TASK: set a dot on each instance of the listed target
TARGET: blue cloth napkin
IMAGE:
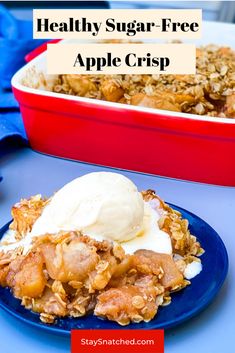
(12, 130)
(11, 124)
(16, 40)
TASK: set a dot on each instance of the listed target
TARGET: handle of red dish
(43, 47)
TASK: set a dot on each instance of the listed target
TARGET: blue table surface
(26, 173)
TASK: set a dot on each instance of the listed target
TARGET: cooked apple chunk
(30, 280)
(130, 303)
(161, 265)
(69, 262)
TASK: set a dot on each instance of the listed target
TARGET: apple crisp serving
(71, 274)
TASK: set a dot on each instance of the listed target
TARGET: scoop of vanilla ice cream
(103, 205)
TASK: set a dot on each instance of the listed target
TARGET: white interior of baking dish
(33, 78)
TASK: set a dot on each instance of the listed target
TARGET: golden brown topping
(50, 303)
(25, 213)
(47, 318)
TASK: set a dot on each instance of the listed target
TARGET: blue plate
(185, 304)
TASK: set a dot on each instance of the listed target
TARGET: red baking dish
(170, 144)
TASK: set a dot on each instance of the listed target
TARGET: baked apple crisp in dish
(210, 92)
(98, 246)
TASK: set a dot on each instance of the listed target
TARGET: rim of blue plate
(168, 324)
